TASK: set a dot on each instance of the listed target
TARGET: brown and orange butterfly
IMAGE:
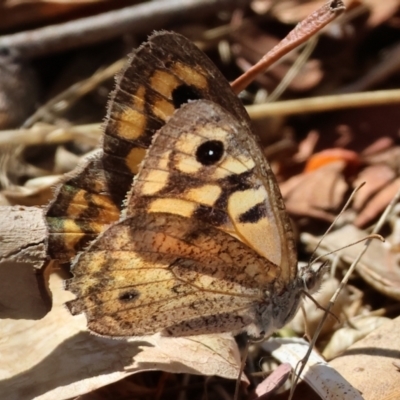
(188, 230)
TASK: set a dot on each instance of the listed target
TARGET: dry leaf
(343, 338)
(329, 156)
(56, 358)
(274, 381)
(316, 193)
(368, 365)
(375, 177)
(377, 204)
(327, 382)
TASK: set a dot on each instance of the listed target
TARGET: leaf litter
(318, 157)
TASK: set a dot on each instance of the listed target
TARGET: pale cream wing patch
(163, 272)
(203, 164)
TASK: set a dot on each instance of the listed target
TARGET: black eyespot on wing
(210, 152)
(129, 296)
(183, 93)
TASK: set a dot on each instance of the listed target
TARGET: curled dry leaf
(57, 358)
(329, 156)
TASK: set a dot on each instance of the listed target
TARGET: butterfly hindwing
(205, 165)
(162, 272)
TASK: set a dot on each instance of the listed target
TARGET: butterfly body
(203, 243)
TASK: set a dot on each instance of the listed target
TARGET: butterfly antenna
(368, 237)
(343, 283)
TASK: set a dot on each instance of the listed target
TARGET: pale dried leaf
(343, 338)
(56, 358)
(36, 191)
(324, 379)
(380, 265)
(369, 364)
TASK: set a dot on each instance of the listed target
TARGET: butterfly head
(310, 277)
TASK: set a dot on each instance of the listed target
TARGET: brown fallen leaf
(319, 375)
(376, 177)
(368, 364)
(377, 204)
(316, 194)
(273, 382)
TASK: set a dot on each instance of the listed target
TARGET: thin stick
(242, 365)
(316, 104)
(324, 103)
(139, 18)
(300, 34)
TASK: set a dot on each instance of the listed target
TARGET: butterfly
(187, 228)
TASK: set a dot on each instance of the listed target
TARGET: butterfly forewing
(162, 74)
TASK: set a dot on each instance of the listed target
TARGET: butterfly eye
(183, 93)
(309, 281)
(210, 152)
